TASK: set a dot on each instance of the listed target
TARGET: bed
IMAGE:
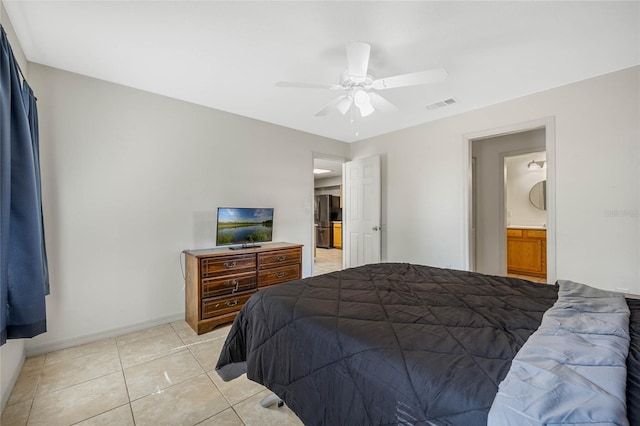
(396, 343)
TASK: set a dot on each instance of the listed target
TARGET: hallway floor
(327, 260)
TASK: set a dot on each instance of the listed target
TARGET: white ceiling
(334, 167)
(228, 55)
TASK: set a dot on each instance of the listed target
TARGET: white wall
(332, 190)
(130, 179)
(520, 180)
(331, 181)
(11, 353)
(328, 186)
(597, 180)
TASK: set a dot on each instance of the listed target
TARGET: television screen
(244, 226)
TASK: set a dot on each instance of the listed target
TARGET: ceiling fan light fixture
(366, 110)
(362, 101)
(344, 104)
(361, 97)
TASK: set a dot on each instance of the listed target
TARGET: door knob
(375, 228)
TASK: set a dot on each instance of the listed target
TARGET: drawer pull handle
(230, 264)
(235, 284)
(281, 258)
(280, 274)
(230, 304)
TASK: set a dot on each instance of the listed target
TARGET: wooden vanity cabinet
(527, 251)
(219, 281)
(337, 235)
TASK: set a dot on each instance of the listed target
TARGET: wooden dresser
(527, 251)
(219, 281)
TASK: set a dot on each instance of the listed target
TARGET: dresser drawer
(278, 275)
(224, 264)
(278, 258)
(218, 306)
(229, 284)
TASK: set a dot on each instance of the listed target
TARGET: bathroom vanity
(527, 251)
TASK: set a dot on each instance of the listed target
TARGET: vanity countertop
(526, 227)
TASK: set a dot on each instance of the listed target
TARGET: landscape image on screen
(244, 225)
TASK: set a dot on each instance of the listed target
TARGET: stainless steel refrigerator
(327, 208)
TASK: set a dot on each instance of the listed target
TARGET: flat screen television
(246, 226)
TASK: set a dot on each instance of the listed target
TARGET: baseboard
(35, 350)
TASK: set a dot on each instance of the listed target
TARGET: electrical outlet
(622, 289)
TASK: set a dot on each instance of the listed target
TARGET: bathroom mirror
(538, 195)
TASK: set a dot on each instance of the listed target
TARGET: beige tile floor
(163, 375)
(327, 260)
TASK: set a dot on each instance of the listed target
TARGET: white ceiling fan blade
(299, 85)
(337, 103)
(381, 104)
(358, 58)
(411, 79)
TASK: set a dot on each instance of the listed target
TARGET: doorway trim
(547, 123)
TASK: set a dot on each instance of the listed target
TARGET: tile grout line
(35, 395)
(231, 406)
(35, 390)
(124, 378)
(99, 414)
(73, 384)
(238, 415)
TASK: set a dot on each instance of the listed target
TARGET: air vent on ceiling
(441, 104)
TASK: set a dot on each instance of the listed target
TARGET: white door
(361, 216)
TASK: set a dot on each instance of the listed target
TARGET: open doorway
(488, 217)
(526, 219)
(328, 202)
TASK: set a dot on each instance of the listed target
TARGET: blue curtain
(24, 277)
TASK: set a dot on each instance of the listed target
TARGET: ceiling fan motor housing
(348, 81)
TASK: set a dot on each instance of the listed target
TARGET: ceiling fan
(361, 86)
